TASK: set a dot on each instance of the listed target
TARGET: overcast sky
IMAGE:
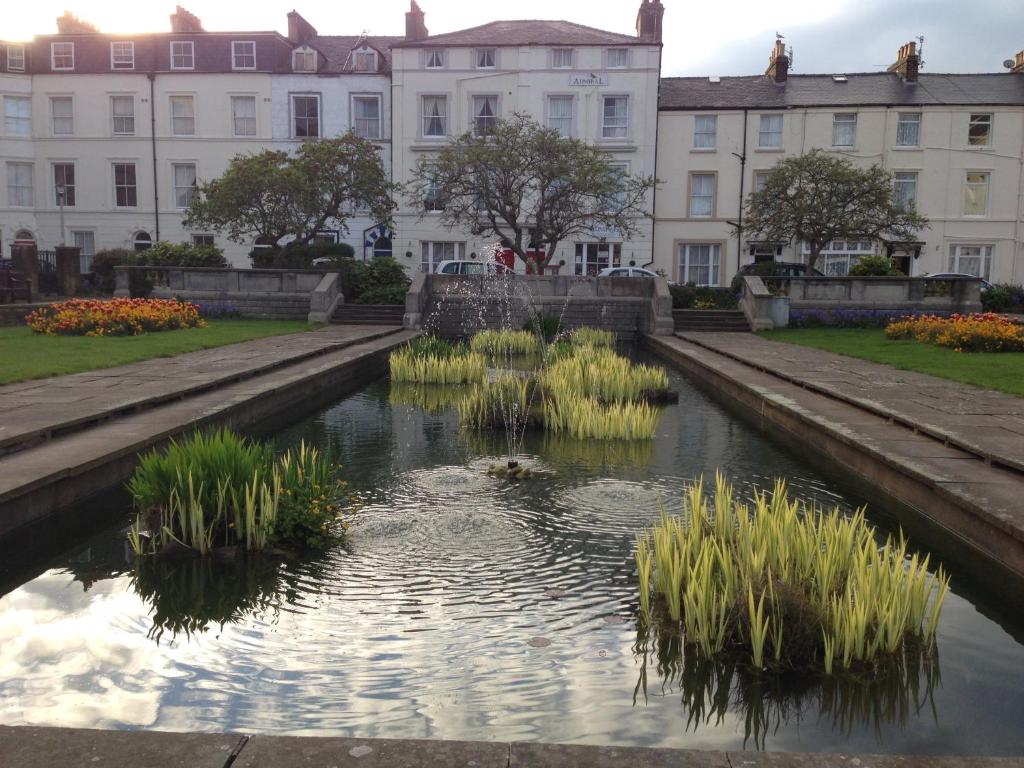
(723, 38)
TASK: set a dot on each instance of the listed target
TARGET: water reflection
(712, 690)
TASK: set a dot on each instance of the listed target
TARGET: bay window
(971, 260)
(699, 263)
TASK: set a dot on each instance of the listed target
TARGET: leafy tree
(274, 194)
(528, 186)
(816, 198)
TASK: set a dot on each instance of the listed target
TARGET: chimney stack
(69, 24)
(778, 63)
(299, 30)
(1018, 63)
(415, 23)
(908, 62)
(184, 22)
(648, 21)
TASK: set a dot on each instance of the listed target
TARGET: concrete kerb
(1011, 462)
(994, 536)
(33, 747)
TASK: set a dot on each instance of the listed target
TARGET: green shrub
(103, 264)
(219, 489)
(874, 266)
(1003, 297)
(548, 326)
(381, 281)
(165, 254)
(691, 296)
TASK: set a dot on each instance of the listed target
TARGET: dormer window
(485, 58)
(62, 56)
(122, 54)
(364, 61)
(435, 59)
(183, 54)
(304, 60)
(15, 58)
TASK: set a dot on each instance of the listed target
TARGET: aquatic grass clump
(600, 373)
(586, 336)
(505, 342)
(507, 399)
(585, 417)
(220, 490)
(431, 398)
(407, 365)
(784, 585)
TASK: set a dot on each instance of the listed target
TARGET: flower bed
(964, 333)
(114, 317)
(847, 318)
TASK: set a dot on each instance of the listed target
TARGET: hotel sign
(585, 80)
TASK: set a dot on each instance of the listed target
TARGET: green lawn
(27, 355)
(994, 370)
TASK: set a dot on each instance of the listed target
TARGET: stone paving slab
(954, 488)
(28, 747)
(39, 480)
(524, 755)
(34, 410)
(982, 421)
(312, 752)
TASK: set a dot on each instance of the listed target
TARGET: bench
(13, 286)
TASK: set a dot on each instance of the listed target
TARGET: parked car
(472, 268)
(985, 284)
(772, 269)
(626, 272)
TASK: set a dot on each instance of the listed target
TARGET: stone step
(712, 329)
(369, 314)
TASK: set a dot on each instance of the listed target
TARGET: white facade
(972, 193)
(530, 79)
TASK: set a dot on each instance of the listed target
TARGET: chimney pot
(299, 30)
(183, 21)
(1018, 62)
(649, 21)
(907, 63)
(778, 63)
(415, 23)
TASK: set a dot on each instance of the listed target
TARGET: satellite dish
(1008, 63)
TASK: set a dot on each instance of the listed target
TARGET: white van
(472, 268)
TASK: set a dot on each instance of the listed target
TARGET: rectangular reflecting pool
(473, 607)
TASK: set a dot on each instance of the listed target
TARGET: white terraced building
(954, 142)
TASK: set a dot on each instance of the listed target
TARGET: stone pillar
(68, 268)
(26, 261)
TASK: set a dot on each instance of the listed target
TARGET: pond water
(470, 607)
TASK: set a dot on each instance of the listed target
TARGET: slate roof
(861, 89)
(526, 32)
(336, 50)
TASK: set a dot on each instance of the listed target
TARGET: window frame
(293, 116)
(844, 257)
(571, 98)
(191, 55)
(235, 54)
(897, 181)
(841, 121)
(53, 100)
(691, 197)
(713, 133)
(476, 119)
(753, 179)
(445, 118)
(604, 117)
(134, 186)
(305, 50)
(174, 98)
(365, 52)
(918, 123)
(977, 119)
(31, 186)
(69, 202)
(429, 259)
(84, 256)
(190, 190)
(54, 55)
(10, 57)
(24, 121)
(624, 52)
(115, 66)
(203, 238)
(114, 117)
(478, 52)
(556, 52)
(968, 185)
(234, 118)
(377, 97)
(987, 252)
(429, 57)
(761, 132)
(684, 264)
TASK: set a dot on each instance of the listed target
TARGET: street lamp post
(61, 191)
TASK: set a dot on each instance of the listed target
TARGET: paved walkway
(950, 487)
(34, 411)
(987, 423)
(27, 747)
